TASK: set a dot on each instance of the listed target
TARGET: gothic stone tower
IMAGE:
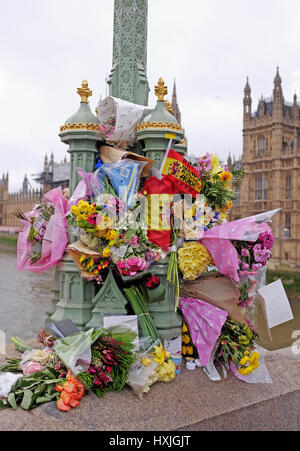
(128, 79)
(271, 158)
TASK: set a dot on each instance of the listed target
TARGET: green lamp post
(80, 133)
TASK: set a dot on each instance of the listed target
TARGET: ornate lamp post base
(75, 295)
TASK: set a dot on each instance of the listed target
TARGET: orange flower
(226, 176)
(70, 393)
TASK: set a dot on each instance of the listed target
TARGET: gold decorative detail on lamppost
(161, 90)
(84, 92)
(169, 106)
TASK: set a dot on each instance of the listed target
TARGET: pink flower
(31, 368)
(261, 254)
(245, 266)
(245, 253)
(266, 239)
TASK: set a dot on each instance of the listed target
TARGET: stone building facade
(22, 200)
(53, 175)
(271, 159)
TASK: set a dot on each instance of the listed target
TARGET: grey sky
(49, 46)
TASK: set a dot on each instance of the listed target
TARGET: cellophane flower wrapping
(50, 234)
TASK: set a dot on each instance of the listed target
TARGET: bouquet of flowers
(237, 347)
(111, 360)
(44, 237)
(217, 183)
(254, 255)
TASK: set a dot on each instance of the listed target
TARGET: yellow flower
(75, 210)
(226, 176)
(215, 161)
(79, 218)
(253, 363)
(184, 328)
(91, 263)
(106, 252)
(160, 354)
(186, 339)
(145, 361)
(193, 260)
(112, 235)
(82, 258)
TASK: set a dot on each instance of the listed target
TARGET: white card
(276, 302)
(127, 320)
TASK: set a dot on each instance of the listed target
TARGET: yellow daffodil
(160, 354)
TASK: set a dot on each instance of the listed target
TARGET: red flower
(152, 282)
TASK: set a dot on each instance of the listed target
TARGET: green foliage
(216, 192)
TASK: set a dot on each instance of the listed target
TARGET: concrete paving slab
(190, 402)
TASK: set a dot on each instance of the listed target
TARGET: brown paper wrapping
(217, 290)
(76, 250)
(113, 154)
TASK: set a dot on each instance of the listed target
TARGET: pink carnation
(31, 368)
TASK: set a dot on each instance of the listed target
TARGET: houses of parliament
(271, 159)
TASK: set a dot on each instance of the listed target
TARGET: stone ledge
(191, 402)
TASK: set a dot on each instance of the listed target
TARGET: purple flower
(245, 266)
(256, 267)
(261, 254)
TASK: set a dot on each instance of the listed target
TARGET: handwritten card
(276, 304)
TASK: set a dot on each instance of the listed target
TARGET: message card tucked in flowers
(277, 306)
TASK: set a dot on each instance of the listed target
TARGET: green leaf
(27, 400)
(12, 401)
(40, 389)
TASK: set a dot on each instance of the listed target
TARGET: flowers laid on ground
(70, 393)
(194, 260)
(237, 345)
(166, 368)
(108, 371)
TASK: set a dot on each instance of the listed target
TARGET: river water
(25, 297)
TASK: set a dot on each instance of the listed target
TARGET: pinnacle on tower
(247, 89)
(175, 106)
(277, 92)
(247, 100)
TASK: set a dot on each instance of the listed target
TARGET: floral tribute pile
(124, 223)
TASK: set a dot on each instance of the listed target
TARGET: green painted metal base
(76, 295)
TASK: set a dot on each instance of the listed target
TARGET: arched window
(262, 144)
